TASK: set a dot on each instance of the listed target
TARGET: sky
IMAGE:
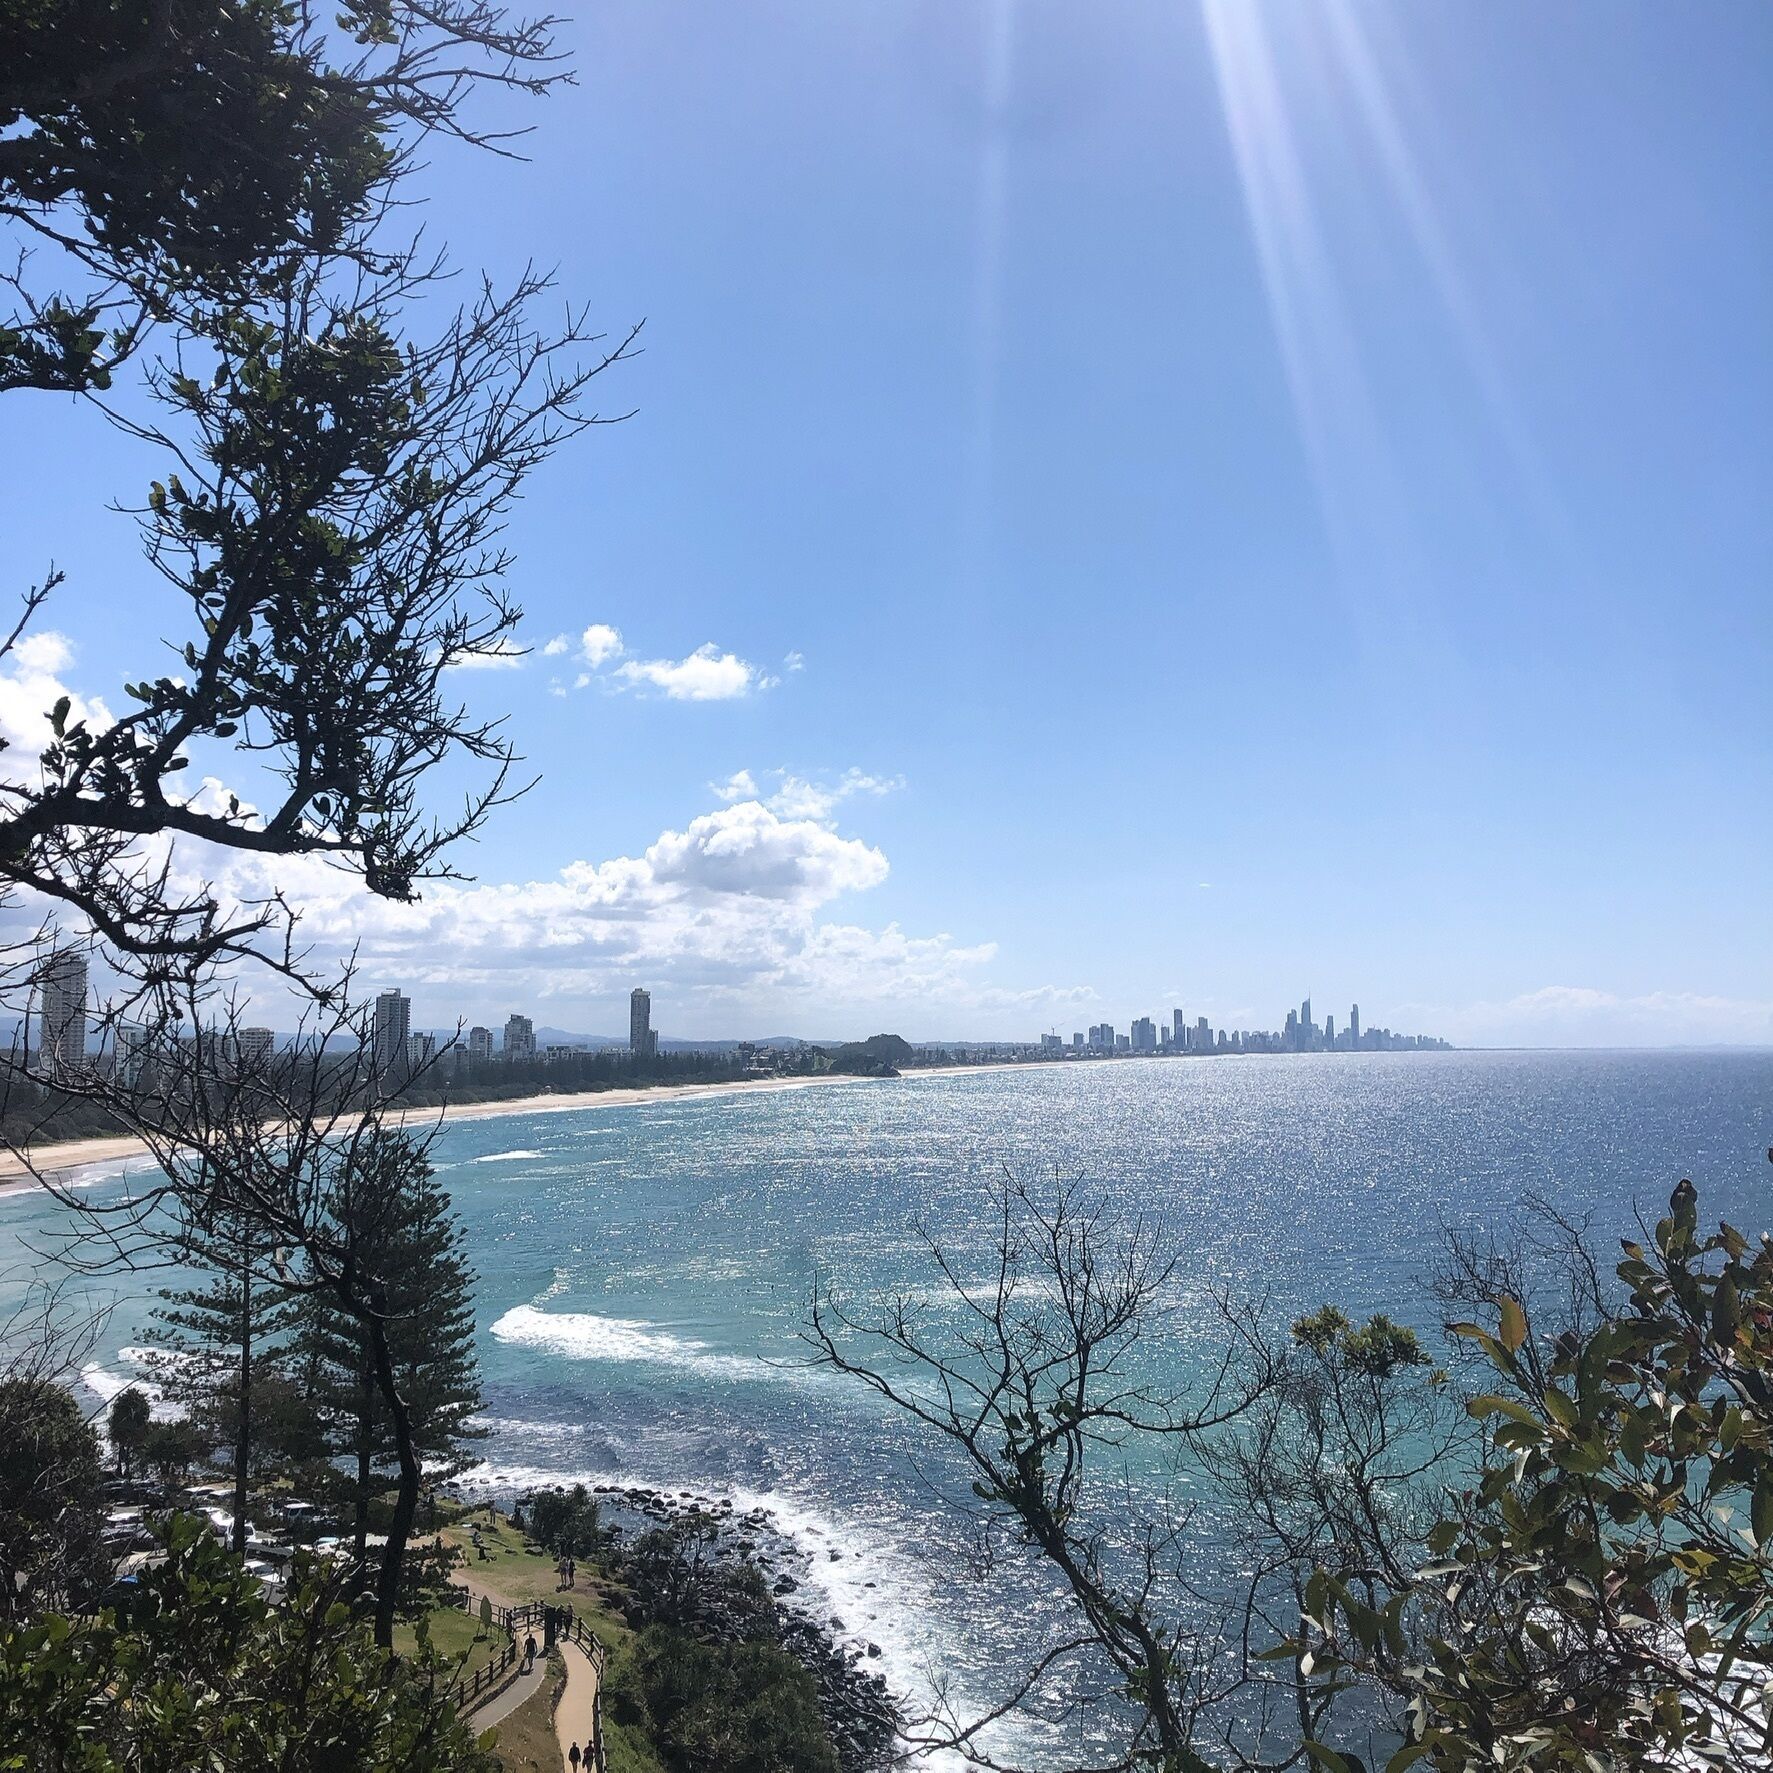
(1127, 507)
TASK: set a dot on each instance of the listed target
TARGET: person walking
(529, 1652)
(572, 1572)
(572, 1754)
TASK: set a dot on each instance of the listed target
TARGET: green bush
(193, 1668)
(720, 1708)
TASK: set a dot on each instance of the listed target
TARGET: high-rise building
(1203, 1036)
(479, 1045)
(1329, 1031)
(254, 1046)
(1178, 1029)
(421, 1050)
(642, 1042)
(520, 1038)
(1144, 1035)
(61, 1014)
(1306, 1030)
(134, 1048)
(1050, 1043)
(393, 1025)
(1354, 1025)
(1077, 1043)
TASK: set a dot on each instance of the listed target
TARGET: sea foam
(586, 1336)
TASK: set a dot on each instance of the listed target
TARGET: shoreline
(73, 1154)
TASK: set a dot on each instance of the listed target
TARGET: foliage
(194, 1668)
(566, 1522)
(395, 1223)
(679, 1578)
(1604, 1596)
(724, 1708)
(192, 153)
(172, 1448)
(49, 1479)
(215, 1343)
(128, 1424)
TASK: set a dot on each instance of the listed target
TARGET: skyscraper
(1305, 1028)
(642, 1042)
(1144, 1035)
(479, 1045)
(1354, 1026)
(61, 1015)
(520, 1038)
(1178, 1029)
(254, 1047)
(393, 1025)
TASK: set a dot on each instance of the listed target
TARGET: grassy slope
(511, 1569)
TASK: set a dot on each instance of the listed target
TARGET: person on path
(572, 1754)
(529, 1652)
(572, 1573)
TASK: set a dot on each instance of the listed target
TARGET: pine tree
(214, 1343)
(401, 1229)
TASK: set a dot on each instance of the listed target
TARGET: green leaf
(1513, 1330)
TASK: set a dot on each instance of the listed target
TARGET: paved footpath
(573, 1716)
(507, 1699)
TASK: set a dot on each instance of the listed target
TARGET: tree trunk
(406, 1500)
(366, 1407)
(243, 1414)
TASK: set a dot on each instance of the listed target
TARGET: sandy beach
(73, 1154)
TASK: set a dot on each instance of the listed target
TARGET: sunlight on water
(644, 1276)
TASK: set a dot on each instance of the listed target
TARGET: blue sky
(1203, 503)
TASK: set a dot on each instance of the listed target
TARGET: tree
(129, 1420)
(176, 157)
(1036, 1379)
(51, 1554)
(215, 1342)
(1604, 1594)
(397, 1226)
(193, 1667)
(172, 1448)
(723, 1708)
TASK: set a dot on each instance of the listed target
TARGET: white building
(61, 1014)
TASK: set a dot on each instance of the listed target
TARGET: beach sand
(16, 1172)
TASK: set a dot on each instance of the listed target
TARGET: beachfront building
(393, 1027)
(480, 1048)
(520, 1039)
(61, 1014)
(643, 1043)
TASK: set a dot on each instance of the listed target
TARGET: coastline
(73, 1154)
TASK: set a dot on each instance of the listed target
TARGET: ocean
(645, 1272)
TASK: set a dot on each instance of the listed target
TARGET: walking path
(574, 1716)
(507, 1699)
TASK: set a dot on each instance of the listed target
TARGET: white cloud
(31, 684)
(740, 785)
(804, 797)
(728, 919)
(793, 662)
(561, 643)
(599, 644)
(707, 675)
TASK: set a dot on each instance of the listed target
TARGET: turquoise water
(645, 1271)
